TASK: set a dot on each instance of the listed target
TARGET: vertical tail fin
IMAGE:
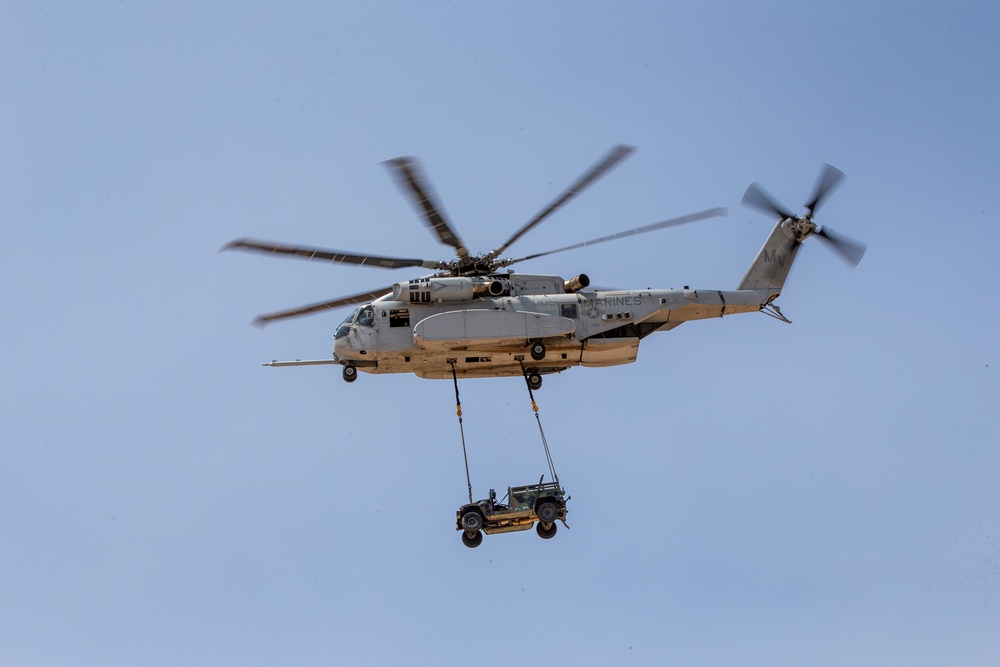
(770, 268)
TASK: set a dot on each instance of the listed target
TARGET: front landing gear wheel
(545, 533)
(534, 381)
(350, 373)
(537, 351)
(475, 539)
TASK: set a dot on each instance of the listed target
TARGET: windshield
(345, 326)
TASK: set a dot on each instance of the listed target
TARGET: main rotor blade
(331, 255)
(847, 249)
(758, 197)
(263, 320)
(411, 181)
(614, 156)
(828, 179)
(709, 213)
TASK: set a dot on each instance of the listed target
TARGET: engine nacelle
(436, 290)
(576, 284)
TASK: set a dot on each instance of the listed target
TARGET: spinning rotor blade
(410, 180)
(709, 213)
(849, 250)
(828, 179)
(317, 307)
(331, 255)
(614, 156)
(758, 197)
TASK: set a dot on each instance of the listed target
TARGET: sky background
(748, 492)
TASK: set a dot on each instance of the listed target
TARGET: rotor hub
(473, 265)
(803, 227)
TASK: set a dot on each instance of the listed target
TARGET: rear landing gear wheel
(350, 373)
(545, 533)
(475, 539)
(537, 351)
(534, 381)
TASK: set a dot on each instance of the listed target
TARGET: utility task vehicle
(544, 503)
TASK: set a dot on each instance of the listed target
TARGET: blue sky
(747, 492)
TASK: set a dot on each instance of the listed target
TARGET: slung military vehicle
(544, 503)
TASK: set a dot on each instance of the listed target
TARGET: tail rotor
(830, 177)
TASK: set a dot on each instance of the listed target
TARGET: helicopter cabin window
(568, 310)
(399, 317)
(366, 316)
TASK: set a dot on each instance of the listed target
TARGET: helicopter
(476, 317)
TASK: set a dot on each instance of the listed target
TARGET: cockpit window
(366, 316)
(345, 326)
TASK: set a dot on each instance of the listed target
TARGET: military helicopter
(475, 317)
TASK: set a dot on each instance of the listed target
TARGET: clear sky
(748, 492)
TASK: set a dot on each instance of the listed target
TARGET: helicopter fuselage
(434, 327)
(472, 320)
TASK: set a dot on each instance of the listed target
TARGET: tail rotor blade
(847, 249)
(829, 178)
(758, 198)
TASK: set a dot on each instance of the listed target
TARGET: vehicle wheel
(472, 521)
(547, 512)
(475, 539)
(545, 533)
(534, 381)
(537, 351)
(350, 373)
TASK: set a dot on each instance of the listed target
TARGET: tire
(545, 533)
(534, 381)
(472, 521)
(474, 540)
(537, 351)
(547, 512)
(350, 373)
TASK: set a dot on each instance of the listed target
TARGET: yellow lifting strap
(534, 406)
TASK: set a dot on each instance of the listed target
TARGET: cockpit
(362, 316)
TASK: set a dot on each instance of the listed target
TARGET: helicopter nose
(344, 346)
